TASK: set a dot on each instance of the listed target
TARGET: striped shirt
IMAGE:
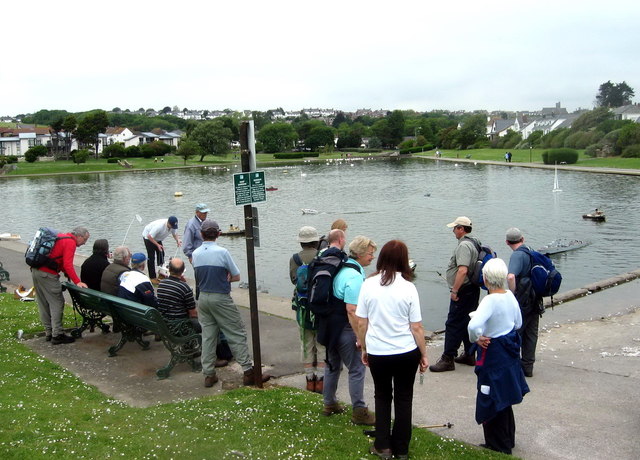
(175, 298)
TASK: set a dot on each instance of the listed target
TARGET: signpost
(249, 187)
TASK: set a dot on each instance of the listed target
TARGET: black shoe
(47, 338)
(62, 338)
(469, 360)
(528, 372)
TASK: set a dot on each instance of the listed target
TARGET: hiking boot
(62, 338)
(221, 363)
(210, 380)
(445, 363)
(249, 378)
(311, 384)
(528, 371)
(331, 409)
(382, 453)
(469, 360)
(362, 416)
(319, 386)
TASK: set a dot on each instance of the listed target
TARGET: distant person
(338, 331)
(393, 345)
(313, 353)
(463, 298)
(110, 280)
(192, 239)
(501, 382)
(135, 285)
(153, 235)
(339, 224)
(531, 306)
(92, 268)
(215, 270)
(46, 281)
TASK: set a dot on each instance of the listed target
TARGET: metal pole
(251, 261)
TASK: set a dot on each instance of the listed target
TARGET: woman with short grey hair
(360, 246)
(501, 381)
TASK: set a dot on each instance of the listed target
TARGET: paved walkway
(584, 392)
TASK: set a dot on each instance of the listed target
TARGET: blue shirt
(212, 265)
(192, 238)
(347, 283)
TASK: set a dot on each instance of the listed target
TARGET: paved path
(584, 392)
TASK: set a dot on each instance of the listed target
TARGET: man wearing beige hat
(313, 353)
(463, 298)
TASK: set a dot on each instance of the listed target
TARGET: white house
(627, 112)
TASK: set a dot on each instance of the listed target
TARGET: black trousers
(153, 254)
(393, 379)
(500, 431)
(458, 320)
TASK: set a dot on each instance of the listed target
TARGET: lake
(409, 199)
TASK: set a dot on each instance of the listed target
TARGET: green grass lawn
(47, 412)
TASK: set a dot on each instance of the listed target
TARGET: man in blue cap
(134, 284)
(152, 235)
(192, 239)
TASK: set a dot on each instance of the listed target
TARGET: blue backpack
(38, 253)
(545, 279)
(300, 301)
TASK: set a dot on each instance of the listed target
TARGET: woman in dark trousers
(501, 381)
(393, 346)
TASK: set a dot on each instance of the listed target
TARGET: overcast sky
(80, 55)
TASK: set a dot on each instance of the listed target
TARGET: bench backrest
(127, 311)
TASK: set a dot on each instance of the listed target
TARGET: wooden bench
(133, 320)
(4, 276)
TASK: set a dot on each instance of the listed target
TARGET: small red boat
(271, 189)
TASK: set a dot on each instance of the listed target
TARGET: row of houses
(16, 141)
(550, 119)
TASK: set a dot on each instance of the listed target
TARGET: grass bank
(535, 156)
(47, 412)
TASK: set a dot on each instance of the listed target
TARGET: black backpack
(485, 253)
(321, 273)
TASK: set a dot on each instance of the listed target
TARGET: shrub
(11, 159)
(423, 148)
(30, 156)
(632, 151)
(132, 151)
(591, 150)
(81, 156)
(114, 150)
(295, 155)
(113, 160)
(358, 150)
(562, 155)
(409, 143)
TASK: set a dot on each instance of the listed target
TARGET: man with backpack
(46, 280)
(463, 299)
(337, 330)
(519, 281)
(313, 353)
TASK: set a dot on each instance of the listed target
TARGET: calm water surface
(411, 200)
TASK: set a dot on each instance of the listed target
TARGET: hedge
(422, 148)
(358, 150)
(560, 156)
(632, 151)
(295, 155)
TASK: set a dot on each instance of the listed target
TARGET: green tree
(629, 135)
(396, 124)
(81, 156)
(614, 94)
(116, 150)
(339, 119)
(304, 126)
(320, 136)
(213, 137)
(34, 152)
(69, 126)
(381, 130)
(277, 137)
(260, 119)
(90, 126)
(591, 119)
(188, 149)
(473, 129)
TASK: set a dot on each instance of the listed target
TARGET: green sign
(249, 187)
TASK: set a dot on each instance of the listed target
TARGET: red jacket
(63, 252)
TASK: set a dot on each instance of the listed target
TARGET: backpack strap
(354, 266)
(297, 259)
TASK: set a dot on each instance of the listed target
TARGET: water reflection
(409, 199)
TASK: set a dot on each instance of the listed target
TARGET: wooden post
(251, 262)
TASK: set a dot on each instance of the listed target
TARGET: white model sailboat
(556, 187)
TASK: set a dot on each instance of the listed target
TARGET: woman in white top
(393, 346)
(501, 381)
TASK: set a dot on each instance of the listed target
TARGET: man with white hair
(519, 281)
(110, 281)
